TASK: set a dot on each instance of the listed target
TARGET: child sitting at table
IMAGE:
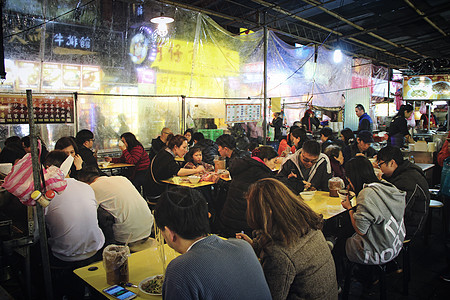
(194, 158)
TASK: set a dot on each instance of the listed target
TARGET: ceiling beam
(341, 18)
(421, 13)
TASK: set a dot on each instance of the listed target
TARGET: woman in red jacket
(444, 153)
(133, 153)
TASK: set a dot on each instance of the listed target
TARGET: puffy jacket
(209, 150)
(410, 178)
(244, 172)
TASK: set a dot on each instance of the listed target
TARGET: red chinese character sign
(14, 110)
(237, 113)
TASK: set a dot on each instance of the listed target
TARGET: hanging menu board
(13, 109)
(237, 113)
(426, 87)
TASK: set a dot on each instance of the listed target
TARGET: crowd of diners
(273, 246)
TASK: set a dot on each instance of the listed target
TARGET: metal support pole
(183, 114)
(429, 117)
(448, 115)
(39, 209)
(265, 83)
(75, 113)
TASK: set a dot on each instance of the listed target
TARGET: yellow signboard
(177, 56)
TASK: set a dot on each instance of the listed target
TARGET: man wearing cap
(365, 121)
(360, 147)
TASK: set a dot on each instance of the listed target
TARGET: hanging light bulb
(337, 56)
(162, 22)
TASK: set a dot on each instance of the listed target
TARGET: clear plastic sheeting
(108, 117)
(113, 49)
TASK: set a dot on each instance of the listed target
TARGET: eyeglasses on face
(381, 163)
(313, 161)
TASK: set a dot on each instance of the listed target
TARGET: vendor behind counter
(398, 130)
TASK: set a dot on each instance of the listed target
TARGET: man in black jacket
(362, 146)
(228, 149)
(160, 142)
(306, 168)
(410, 178)
(85, 142)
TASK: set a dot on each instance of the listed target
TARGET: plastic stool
(434, 204)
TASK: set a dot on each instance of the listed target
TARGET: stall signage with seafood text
(429, 87)
(14, 110)
(237, 113)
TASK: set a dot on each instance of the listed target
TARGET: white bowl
(308, 195)
(145, 293)
(343, 196)
(194, 179)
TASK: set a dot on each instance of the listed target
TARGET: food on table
(154, 285)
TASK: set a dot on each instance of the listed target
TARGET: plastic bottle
(43, 200)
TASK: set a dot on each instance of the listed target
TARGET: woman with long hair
(309, 120)
(398, 130)
(245, 171)
(188, 135)
(347, 136)
(334, 153)
(163, 166)
(295, 257)
(69, 146)
(133, 153)
(378, 218)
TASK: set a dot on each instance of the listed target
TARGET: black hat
(365, 136)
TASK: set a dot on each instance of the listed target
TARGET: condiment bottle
(43, 200)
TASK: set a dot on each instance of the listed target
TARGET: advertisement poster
(90, 80)
(429, 87)
(237, 113)
(47, 109)
(51, 78)
(71, 77)
(27, 75)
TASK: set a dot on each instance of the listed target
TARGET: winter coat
(319, 174)
(410, 178)
(244, 172)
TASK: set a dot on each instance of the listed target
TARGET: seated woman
(164, 166)
(244, 172)
(286, 146)
(69, 146)
(378, 218)
(133, 153)
(334, 153)
(193, 159)
(295, 257)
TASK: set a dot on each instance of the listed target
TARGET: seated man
(159, 142)
(360, 147)
(208, 267)
(118, 196)
(306, 168)
(71, 219)
(410, 178)
(228, 149)
(85, 142)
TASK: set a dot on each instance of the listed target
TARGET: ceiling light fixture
(162, 22)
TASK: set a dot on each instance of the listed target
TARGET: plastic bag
(20, 183)
(423, 108)
(115, 261)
